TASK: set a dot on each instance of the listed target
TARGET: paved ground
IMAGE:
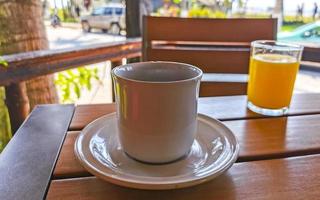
(64, 37)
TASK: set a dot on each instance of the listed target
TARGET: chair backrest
(214, 45)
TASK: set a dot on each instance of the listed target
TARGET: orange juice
(271, 80)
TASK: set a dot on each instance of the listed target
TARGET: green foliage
(252, 15)
(5, 128)
(204, 12)
(294, 19)
(292, 22)
(196, 10)
(70, 20)
(3, 62)
(289, 27)
(64, 15)
(70, 83)
(176, 1)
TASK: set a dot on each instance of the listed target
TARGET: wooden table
(279, 156)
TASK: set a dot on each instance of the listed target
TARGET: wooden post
(18, 104)
(133, 22)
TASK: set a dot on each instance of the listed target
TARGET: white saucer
(213, 152)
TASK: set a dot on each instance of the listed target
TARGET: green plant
(252, 15)
(197, 11)
(70, 20)
(70, 83)
(63, 14)
(289, 28)
(176, 1)
(5, 128)
(3, 62)
(294, 19)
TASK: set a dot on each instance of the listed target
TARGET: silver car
(110, 18)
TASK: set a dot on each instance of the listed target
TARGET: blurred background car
(109, 18)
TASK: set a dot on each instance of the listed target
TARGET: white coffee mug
(156, 109)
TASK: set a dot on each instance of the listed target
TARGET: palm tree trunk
(22, 29)
(278, 12)
(41, 90)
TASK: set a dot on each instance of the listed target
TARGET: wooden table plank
(279, 137)
(259, 139)
(235, 107)
(291, 178)
(67, 164)
(223, 108)
(84, 114)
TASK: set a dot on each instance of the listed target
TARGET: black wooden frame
(28, 161)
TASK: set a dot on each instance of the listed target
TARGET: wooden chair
(220, 47)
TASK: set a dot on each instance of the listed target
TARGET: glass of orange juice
(273, 69)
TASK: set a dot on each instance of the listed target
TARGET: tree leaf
(3, 62)
(77, 90)
(89, 86)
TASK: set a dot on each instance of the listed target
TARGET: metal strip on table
(27, 162)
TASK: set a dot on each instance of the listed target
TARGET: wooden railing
(25, 66)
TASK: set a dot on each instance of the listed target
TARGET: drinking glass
(273, 69)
